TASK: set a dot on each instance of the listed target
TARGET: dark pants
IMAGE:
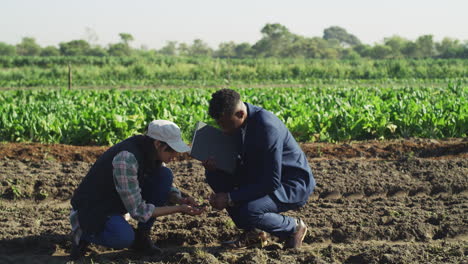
(262, 213)
(118, 233)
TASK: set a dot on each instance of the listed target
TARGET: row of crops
(155, 71)
(322, 113)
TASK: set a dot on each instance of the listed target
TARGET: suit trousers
(261, 213)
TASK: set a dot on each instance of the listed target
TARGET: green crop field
(319, 100)
(319, 113)
(19, 72)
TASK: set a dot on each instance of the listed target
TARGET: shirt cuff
(176, 190)
(230, 202)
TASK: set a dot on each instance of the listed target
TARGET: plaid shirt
(125, 168)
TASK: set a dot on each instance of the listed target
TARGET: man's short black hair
(223, 102)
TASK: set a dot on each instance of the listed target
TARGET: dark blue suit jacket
(271, 161)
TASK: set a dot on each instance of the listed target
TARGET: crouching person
(130, 177)
(273, 174)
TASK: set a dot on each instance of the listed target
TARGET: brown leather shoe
(252, 238)
(143, 243)
(295, 241)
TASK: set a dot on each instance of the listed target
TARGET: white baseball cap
(168, 132)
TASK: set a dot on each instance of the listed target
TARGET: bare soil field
(397, 201)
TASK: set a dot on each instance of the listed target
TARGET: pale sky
(154, 22)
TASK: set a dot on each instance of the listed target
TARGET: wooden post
(69, 76)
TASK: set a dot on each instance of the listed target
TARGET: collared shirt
(125, 172)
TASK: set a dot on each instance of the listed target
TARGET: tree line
(277, 42)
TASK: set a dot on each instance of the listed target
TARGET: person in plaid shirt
(130, 177)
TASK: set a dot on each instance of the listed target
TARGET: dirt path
(401, 201)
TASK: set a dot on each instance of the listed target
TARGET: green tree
(350, 54)
(276, 38)
(363, 50)
(170, 48)
(50, 51)
(396, 43)
(243, 50)
(410, 50)
(317, 48)
(28, 47)
(200, 48)
(183, 49)
(275, 31)
(381, 52)
(313, 47)
(341, 35)
(426, 46)
(463, 52)
(330, 53)
(448, 48)
(296, 49)
(119, 49)
(74, 48)
(123, 48)
(126, 38)
(145, 52)
(97, 51)
(226, 50)
(7, 50)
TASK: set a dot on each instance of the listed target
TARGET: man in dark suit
(272, 175)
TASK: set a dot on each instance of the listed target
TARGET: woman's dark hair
(151, 154)
(223, 102)
(166, 147)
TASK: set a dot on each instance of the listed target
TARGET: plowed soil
(400, 201)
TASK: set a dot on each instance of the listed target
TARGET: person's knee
(119, 233)
(251, 215)
(124, 239)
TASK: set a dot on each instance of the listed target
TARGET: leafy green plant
(325, 113)
(14, 190)
(42, 194)
(228, 223)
